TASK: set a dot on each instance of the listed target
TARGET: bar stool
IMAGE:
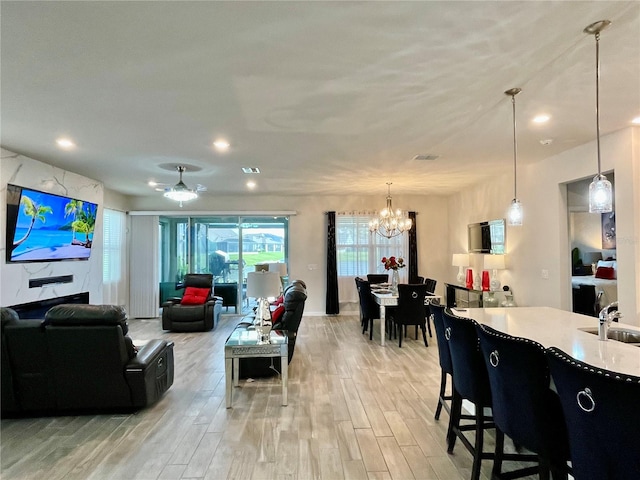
(444, 356)
(524, 406)
(470, 382)
(602, 417)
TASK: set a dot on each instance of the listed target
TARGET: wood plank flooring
(356, 411)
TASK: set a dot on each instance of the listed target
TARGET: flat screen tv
(43, 227)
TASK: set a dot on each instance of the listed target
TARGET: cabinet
(459, 296)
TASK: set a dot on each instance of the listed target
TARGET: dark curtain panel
(332, 306)
(413, 250)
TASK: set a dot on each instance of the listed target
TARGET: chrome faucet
(605, 318)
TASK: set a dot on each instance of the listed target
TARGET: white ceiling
(323, 97)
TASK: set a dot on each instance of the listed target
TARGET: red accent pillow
(279, 300)
(276, 315)
(606, 273)
(195, 296)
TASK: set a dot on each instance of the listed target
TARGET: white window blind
(114, 258)
(360, 252)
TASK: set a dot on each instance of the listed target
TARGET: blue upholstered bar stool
(470, 382)
(602, 414)
(524, 406)
(444, 356)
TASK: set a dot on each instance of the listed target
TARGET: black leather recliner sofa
(79, 359)
(295, 296)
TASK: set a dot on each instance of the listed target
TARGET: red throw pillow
(278, 301)
(606, 273)
(276, 315)
(195, 296)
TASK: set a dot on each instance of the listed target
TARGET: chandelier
(389, 223)
(180, 192)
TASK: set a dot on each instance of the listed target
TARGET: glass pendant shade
(180, 192)
(514, 215)
(600, 195)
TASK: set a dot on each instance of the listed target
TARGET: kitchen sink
(619, 334)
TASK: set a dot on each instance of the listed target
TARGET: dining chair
(411, 310)
(431, 285)
(471, 383)
(377, 277)
(602, 418)
(524, 406)
(369, 310)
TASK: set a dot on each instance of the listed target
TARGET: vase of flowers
(394, 264)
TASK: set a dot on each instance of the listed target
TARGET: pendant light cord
(515, 149)
(597, 35)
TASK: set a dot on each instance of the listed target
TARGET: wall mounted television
(44, 227)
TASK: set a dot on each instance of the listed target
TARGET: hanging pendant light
(390, 223)
(514, 215)
(600, 191)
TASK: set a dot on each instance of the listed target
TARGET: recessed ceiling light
(543, 118)
(250, 169)
(221, 145)
(65, 143)
(151, 183)
(251, 184)
(636, 121)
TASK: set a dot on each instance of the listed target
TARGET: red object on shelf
(485, 281)
(470, 279)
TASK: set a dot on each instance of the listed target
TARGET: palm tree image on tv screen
(45, 227)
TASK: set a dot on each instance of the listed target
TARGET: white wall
(14, 278)
(542, 243)
(308, 230)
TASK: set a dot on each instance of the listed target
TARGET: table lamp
(494, 263)
(261, 286)
(281, 269)
(460, 260)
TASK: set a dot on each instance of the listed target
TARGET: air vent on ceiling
(426, 157)
(250, 169)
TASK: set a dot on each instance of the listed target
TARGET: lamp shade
(460, 260)
(281, 268)
(494, 262)
(263, 284)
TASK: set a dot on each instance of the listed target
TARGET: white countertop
(558, 328)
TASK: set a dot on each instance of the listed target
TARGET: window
(113, 257)
(358, 251)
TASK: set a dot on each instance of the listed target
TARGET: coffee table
(243, 343)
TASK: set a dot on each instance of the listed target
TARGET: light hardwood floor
(356, 411)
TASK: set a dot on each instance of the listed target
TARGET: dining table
(384, 297)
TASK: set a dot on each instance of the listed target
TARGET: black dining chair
(602, 417)
(523, 405)
(470, 382)
(369, 309)
(411, 310)
(378, 277)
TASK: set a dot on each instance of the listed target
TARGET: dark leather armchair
(192, 318)
(79, 359)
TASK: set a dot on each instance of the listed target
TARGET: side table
(243, 343)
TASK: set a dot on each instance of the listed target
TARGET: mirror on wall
(487, 237)
(592, 246)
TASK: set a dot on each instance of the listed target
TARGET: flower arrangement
(392, 263)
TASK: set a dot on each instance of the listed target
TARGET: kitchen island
(552, 327)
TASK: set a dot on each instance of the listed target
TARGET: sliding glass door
(227, 247)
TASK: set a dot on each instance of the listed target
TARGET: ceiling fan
(180, 192)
